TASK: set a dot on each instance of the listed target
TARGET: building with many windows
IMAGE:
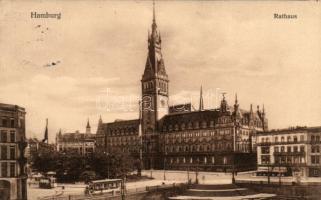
(12, 145)
(174, 138)
(291, 152)
(81, 143)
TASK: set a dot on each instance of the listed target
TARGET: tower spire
(154, 18)
(100, 120)
(88, 128)
(236, 104)
(201, 106)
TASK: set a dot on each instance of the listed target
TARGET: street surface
(170, 178)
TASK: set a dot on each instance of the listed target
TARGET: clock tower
(154, 83)
(154, 98)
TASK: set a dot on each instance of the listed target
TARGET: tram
(47, 182)
(104, 186)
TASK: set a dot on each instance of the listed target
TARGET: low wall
(160, 192)
(311, 192)
(182, 176)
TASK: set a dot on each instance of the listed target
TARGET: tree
(44, 159)
(115, 164)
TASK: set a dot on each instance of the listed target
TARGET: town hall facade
(177, 137)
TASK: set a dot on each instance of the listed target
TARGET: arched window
(295, 139)
(288, 139)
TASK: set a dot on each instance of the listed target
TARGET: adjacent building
(175, 137)
(12, 145)
(290, 152)
(81, 143)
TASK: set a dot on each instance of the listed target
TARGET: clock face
(147, 102)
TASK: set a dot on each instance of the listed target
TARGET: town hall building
(177, 137)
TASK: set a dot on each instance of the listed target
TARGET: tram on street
(47, 182)
(104, 186)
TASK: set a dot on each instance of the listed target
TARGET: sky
(99, 49)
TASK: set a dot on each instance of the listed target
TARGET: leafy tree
(44, 159)
(71, 166)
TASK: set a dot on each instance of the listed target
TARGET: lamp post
(196, 172)
(280, 174)
(123, 187)
(233, 172)
(164, 161)
(188, 174)
(106, 154)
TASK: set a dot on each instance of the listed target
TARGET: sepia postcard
(160, 100)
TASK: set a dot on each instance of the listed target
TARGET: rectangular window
(12, 153)
(4, 152)
(12, 136)
(4, 169)
(301, 148)
(12, 169)
(315, 159)
(4, 123)
(276, 149)
(295, 139)
(301, 138)
(288, 149)
(295, 149)
(265, 150)
(12, 124)
(289, 159)
(3, 136)
(282, 148)
(312, 138)
(265, 159)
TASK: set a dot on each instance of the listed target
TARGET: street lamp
(196, 172)
(164, 161)
(233, 168)
(108, 162)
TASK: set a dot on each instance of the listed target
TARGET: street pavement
(171, 177)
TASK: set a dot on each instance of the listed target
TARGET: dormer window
(196, 125)
(190, 125)
(183, 126)
(204, 124)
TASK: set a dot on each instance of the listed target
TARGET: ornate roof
(187, 117)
